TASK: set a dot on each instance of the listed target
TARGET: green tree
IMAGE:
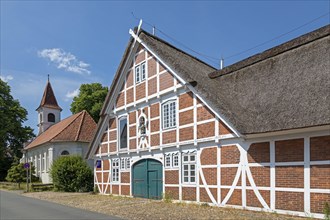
(90, 98)
(71, 174)
(16, 173)
(12, 133)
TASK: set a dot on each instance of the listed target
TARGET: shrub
(71, 174)
(16, 174)
(326, 211)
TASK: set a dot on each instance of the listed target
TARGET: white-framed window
(140, 72)
(171, 160)
(189, 168)
(42, 162)
(125, 163)
(168, 161)
(122, 164)
(143, 71)
(175, 160)
(169, 114)
(122, 131)
(115, 170)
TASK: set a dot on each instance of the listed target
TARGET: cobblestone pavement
(136, 208)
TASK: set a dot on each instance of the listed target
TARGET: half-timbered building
(253, 135)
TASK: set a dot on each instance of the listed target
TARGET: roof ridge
(176, 48)
(78, 114)
(273, 51)
(80, 125)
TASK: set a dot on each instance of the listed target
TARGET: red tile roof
(48, 98)
(79, 127)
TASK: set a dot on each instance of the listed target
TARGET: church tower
(49, 112)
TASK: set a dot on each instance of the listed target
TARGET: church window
(123, 133)
(51, 117)
(65, 153)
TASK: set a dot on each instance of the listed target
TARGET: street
(15, 206)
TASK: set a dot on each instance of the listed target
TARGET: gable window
(140, 72)
(115, 170)
(122, 133)
(51, 117)
(189, 168)
(169, 114)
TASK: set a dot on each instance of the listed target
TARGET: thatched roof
(286, 87)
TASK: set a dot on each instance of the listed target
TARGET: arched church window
(40, 117)
(65, 153)
(51, 117)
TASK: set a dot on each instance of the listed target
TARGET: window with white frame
(169, 114)
(122, 130)
(42, 162)
(168, 160)
(115, 170)
(189, 167)
(122, 164)
(140, 72)
(171, 160)
(175, 160)
(125, 163)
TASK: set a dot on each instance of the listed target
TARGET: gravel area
(136, 208)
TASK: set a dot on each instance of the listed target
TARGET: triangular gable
(125, 75)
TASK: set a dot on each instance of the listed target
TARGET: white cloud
(70, 95)
(65, 60)
(6, 78)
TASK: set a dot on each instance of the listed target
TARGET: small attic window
(140, 72)
(51, 117)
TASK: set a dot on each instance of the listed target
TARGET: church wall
(43, 156)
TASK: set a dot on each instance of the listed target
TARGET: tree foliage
(71, 174)
(17, 173)
(90, 98)
(12, 133)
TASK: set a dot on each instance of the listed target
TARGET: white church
(56, 137)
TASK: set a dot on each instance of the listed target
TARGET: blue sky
(83, 41)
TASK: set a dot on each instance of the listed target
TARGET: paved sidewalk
(15, 206)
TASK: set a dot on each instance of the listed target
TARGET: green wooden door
(148, 179)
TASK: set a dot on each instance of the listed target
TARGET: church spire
(49, 111)
(48, 98)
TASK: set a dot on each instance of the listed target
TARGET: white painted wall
(44, 155)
